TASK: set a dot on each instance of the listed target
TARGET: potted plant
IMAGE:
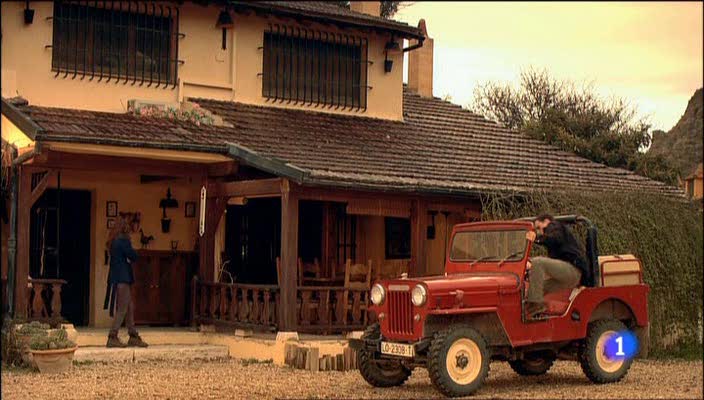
(53, 353)
(25, 333)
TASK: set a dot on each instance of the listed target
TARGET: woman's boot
(114, 341)
(136, 341)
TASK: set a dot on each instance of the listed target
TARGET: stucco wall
(207, 72)
(131, 196)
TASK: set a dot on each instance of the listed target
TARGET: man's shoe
(114, 341)
(136, 341)
(533, 310)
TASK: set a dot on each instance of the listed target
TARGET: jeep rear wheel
(532, 365)
(379, 373)
(458, 361)
(597, 366)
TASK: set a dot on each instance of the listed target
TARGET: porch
(265, 254)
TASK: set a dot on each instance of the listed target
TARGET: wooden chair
(358, 279)
(391, 269)
(307, 270)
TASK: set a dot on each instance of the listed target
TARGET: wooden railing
(44, 298)
(321, 309)
(236, 304)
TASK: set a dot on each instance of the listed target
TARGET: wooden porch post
(419, 224)
(289, 255)
(215, 207)
(24, 206)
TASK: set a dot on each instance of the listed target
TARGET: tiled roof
(439, 147)
(328, 10)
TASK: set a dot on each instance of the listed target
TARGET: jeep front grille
(400, 312)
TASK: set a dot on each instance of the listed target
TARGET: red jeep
(454, 324)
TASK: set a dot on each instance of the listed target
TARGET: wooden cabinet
(162, 282)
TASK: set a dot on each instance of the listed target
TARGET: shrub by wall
(665, 233)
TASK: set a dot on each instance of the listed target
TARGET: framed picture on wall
(111, 209)
(111, 223)
(190, 209)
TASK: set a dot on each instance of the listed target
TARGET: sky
(649, 53)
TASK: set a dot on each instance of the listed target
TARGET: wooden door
(145, 293)
(159, 291)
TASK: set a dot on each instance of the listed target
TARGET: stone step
(151, 353)
(99, 337)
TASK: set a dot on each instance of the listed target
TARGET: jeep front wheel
(458, 361)
(379, 373)
(597, 366)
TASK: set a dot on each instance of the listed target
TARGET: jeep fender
(485, 322)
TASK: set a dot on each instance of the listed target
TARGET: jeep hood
(504, 282)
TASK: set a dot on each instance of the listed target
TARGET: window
(398, 238)
(133, 42)
(345, 236)
(310, 67)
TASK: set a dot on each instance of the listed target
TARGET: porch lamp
(391, 45)
(225, 22)
(165, 203)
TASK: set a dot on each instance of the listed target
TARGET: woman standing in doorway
(120, 280)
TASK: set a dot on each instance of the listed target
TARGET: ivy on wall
(665, 233)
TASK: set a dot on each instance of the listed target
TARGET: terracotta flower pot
(54, 361)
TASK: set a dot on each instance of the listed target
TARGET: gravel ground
(235, 379)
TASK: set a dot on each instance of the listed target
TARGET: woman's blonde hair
(121, 228)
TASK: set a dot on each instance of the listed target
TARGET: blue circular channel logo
(622, 345)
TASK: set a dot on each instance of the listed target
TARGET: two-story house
(265, 152)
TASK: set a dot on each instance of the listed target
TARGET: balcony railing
(44, 299)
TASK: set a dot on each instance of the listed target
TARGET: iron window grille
(309, 67)
(128, 42)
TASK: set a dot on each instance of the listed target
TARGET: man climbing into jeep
(564, 268)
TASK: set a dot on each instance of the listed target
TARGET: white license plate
(397, 349)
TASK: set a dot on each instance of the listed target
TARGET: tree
(388, 8)
(574, 119)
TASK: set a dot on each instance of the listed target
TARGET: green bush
(665, 233)
(53, 341)
(33, 328)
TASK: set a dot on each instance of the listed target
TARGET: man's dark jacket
(562, 245)
(122, 255)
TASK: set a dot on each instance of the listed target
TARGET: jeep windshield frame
(492, 244)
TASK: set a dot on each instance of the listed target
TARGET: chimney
(420, 65)
(366, 7)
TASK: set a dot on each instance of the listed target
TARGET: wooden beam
(23, 238)
(289, 256)
(48, 180)
(224, 168)
(144, 166)
(250, 188)
(419, 224)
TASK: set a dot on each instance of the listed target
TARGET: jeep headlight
(419, 295)
(377, 294)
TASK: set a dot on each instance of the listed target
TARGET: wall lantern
(165, 203)
(225, 22)
(391, 45)
(28, 14)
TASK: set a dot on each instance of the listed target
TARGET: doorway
(253, 240)
(60, 247)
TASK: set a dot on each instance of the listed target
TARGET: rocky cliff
(682, 145)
